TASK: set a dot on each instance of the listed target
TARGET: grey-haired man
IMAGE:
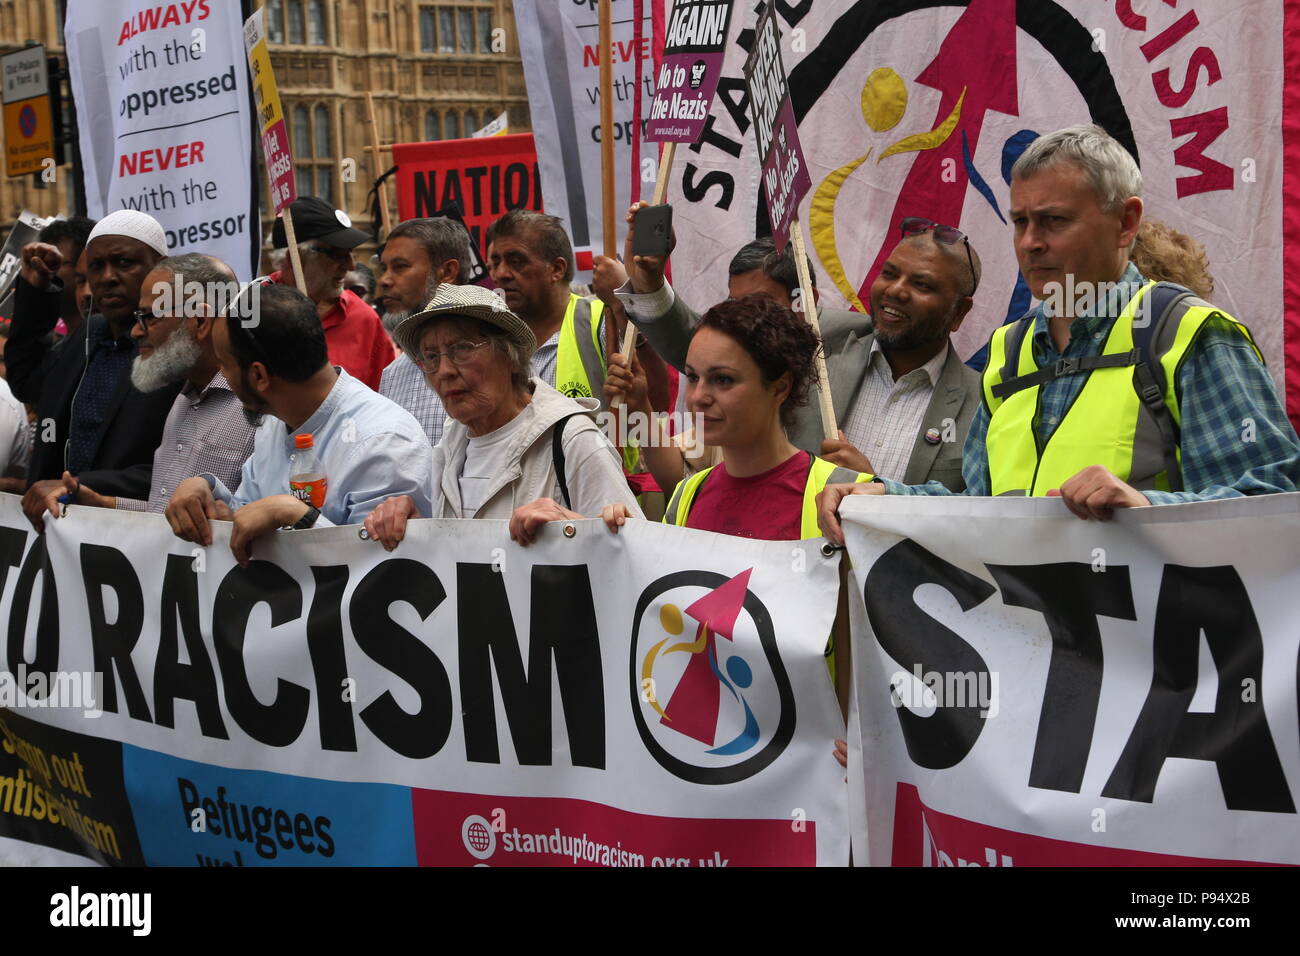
(1114, 392)
(418, 256)
(208, 429)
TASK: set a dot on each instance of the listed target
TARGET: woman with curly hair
(749, 366)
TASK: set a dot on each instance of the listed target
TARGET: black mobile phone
(652, 228)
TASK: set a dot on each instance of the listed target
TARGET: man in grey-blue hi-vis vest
(531, 261)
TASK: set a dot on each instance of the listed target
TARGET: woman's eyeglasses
(460, 354)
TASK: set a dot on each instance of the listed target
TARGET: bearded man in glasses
(902, 395)
(207, 430)
(1114, 392)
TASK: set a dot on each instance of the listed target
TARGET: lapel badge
(932, 435)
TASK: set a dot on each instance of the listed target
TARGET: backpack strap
(1015, 340)
(1065, 366)
(1011, 346)
(1164, 301)
(557, 455)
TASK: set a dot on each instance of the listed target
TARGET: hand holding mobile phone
(652, 229)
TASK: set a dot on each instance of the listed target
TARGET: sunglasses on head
(948, 235)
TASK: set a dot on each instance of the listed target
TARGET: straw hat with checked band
(471, 301)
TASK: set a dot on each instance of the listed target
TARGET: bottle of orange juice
(307, 479)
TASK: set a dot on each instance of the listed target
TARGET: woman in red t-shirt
(749, 366)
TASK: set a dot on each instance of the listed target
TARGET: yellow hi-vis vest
(580, 357)
(580, 361)
(1125, 418)
(821, 474)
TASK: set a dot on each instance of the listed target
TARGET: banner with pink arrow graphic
(920, 108)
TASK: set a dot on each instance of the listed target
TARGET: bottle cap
(302, 441)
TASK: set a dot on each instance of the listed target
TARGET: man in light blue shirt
(275, 359)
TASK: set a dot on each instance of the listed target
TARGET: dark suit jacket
(846, 340)
(46, 376)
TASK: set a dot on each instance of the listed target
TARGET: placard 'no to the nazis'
(688, 75)
(785, 173)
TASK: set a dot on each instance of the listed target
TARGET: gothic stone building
(438, 69)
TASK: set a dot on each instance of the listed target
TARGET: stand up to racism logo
(709, 691)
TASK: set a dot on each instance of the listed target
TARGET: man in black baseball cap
(354, 334)
(316, 219)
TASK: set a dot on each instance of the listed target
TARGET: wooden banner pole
(294, 257)
(810, 313)
(609, 229)
(661, 189)
(665, 167)
(374, 146)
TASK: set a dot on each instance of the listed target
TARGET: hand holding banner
(1035, 690)
(333, 704)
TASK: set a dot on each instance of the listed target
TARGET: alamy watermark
(1095, 298)
(189, 298)
(945, 689)
(61, 689)
(629, 429)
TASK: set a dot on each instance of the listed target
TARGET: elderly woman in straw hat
(513, 443)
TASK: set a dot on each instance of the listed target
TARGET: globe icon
(478, 837)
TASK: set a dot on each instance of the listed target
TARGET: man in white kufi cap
(105, 431)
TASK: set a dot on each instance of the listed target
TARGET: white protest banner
(654, 698)
(1038, 690)
(917, 108)
(560, 47)
(164, 119)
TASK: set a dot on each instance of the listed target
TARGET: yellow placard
(29, 135)
(265, 94)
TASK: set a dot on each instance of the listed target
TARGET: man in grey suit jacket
(922, 295)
